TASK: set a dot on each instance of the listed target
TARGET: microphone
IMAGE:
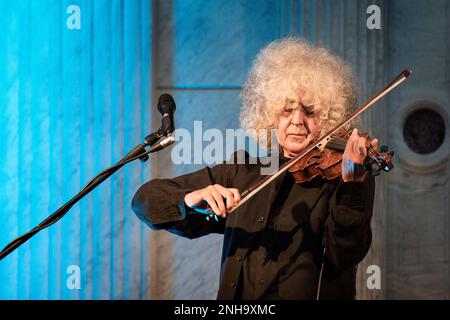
(166, 106)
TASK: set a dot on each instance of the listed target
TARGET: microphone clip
(153, 137)
(157, 141)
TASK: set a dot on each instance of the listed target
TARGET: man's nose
(297, 117)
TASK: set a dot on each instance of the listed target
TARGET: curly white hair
(292, 69)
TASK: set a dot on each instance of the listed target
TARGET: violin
(327, 163)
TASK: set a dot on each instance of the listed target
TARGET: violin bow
(320, 141)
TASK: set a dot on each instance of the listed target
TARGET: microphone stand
(139, 152)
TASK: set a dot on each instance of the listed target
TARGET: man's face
(297, 126)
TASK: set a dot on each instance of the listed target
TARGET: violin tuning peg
(384, 149)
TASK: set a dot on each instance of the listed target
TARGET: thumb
(374, 142)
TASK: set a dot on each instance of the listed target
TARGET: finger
(237, 195)
(349, 144)
(362, 150)
(352, 146)
(212, 203)
(358, 148)
(229, 197)
(374, 143)
(219, 200)
(356, 152)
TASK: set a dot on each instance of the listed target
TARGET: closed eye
(309, 110)
(288, 109)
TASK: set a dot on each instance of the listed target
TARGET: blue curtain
(73, 102)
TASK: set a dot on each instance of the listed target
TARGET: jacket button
(261, 282)
(260, 219)
(233, 284)
(238, 258)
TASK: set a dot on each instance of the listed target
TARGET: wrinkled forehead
(294, 98)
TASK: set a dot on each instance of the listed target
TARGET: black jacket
(339, 218)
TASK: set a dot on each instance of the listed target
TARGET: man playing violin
(290, 240)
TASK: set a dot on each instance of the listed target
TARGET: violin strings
(374, 154)
(337, 143)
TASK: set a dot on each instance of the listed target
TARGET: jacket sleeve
(347, 228)
(160, 202)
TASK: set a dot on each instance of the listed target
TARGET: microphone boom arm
(139, 152)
